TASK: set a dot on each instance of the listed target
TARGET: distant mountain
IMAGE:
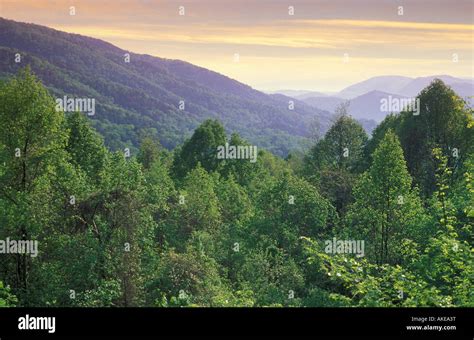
(463, 87)
(324, 103)
(405, 86)
(365, 97)
(363, 107)
(311, 95)
(145, 94)
(389, 84)
(368, 105)
(302, 94)
(296, 93)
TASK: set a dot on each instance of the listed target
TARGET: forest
(167, 228)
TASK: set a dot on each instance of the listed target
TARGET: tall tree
(442, 122)
(194, 208)
(149, 152)
(85, 145)
(32, 141)
(332, 164)
(242, 170)
(386, 208)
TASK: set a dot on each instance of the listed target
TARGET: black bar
(348, 323)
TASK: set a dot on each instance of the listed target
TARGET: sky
(274, 45)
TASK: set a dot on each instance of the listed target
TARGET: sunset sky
(277, 50)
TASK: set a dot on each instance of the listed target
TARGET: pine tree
(386, 208)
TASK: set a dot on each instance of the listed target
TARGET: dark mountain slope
(144, 95)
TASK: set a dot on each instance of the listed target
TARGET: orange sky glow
(323, 46)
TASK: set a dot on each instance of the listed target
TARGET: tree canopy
(386, 221)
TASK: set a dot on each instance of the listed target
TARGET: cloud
(273, 46)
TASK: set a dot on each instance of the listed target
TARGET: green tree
(85, 145)
(288, 209)
(125, 226)
(447, 262)
(195, 207)
(190, 278)
(390, 122)
(242, 170)
(273, 276)
(32, 141)
(386, 208)
(332, 164)
(442, 122)
(149, 152)
(200, 148)
(346, 280)
(7, 299)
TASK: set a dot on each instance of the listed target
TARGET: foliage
(386, 208)
(7, 299)
(335, 160)
(184, 228)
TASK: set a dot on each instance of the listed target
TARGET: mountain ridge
(367, 104)
(144, 95)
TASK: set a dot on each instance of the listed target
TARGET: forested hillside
(138, 95)
(186, 228)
